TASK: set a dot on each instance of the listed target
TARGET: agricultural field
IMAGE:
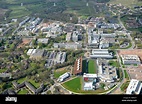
(127, 3)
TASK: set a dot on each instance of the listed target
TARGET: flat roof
(78, 66)
(133, 85)
(90, 75)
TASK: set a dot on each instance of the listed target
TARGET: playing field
(92, 66)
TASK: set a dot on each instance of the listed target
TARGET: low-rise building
(101, 53)
(63, 77)
(68, 45)
(78, 67)
(130, 59)
(134, 87)
(42, 40)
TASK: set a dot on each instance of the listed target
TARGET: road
(123, 77)
(128, 34)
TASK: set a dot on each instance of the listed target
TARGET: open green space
(18, 11)
(124, 86)
(114, 63)
(92, 67)
(22, 91)
(30, 80)
(127, 3)
(126, 74)
(59, 73)
(74, 84)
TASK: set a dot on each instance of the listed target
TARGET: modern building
(68, 36)
(63, 77)
(106, 72)
(88, 80)
(134, 87)
(36, 53)
(101, 53)
(78, 67)
(89, 77)
(88, 86)
(68, 45)
(130, 59)
(29, 86)
(42, 40)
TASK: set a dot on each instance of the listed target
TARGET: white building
(42, 40)
(130, 59)
(88, 86)
(63, 77)
(31, 51)
(101, 53)
(134, 87)
(88, 81)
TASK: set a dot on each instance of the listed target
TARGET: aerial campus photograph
(65, 47)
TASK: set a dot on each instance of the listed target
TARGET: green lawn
(124, 86)
(58, 73)
(18, 11)
(21, 80)
(34, 83)
(124, 2)
(30, 80)
(23, 91)
(126, 74)
(2, 70)
(92, 67)
(74, 84)
(114, 63)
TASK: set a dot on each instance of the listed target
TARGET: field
(124, 86)
(124, 2)
(131, 52)
(18, 12)
(59, 72)
(114, 63)
(23, 91)
(25, 41)
(84, 66)
(74, 84)
(92, 67)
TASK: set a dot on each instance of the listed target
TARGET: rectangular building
(78, 66)
(101, 53)
(130, 59)
(134, 87)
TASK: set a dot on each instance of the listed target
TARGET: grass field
(23, 91)
(74, 84)
(126, 74)
(58, 73)
(92, 67)
(18, 11)
(124, 86)
(124, 2)
(114, 63)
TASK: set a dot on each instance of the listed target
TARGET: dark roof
(21, 85)
(15, 84)
(31, 87)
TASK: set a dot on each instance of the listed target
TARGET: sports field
(92, 67)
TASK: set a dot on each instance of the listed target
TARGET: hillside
(128, 3)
